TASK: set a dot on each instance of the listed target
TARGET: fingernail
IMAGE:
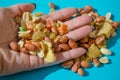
(34, 5)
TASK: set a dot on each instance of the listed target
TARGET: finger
(19, 9)
(71, 54)
(78, 22)
(61, 14)
(79, 33)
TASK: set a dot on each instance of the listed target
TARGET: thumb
(19, 9)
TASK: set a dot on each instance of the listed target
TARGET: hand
(12, 61)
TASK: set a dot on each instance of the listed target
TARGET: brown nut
(67, 64)
(84, 40)
(31, 47)
(89, 8)
(52, 5)
(100, 19)
(86, 46)
(115, 25)
(72, 43)
(24, 50)
(80, 9)
(64, 47)
(14, 46)
(75, 66)
(63, 39)
(96, 62)
(81, 71)
(100, 39)
(85, 64)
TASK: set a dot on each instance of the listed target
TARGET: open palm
(12, 61)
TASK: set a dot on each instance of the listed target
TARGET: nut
(104, 60)
(75, 66)
(64, 47)
(84, 40)
(89, 8)
(81, 71)
(86, 46)
(96, 62)
(51, 5)
(63, 39)
(100, 19)
(100, 39)
(85, 64)
(115, 25)
(30, 47)
(72, 43)
(24, 50)
(105, 51)
(67, 64)
(14, 46)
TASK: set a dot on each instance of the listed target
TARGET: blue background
(104, 72)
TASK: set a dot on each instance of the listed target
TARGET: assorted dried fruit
(45, 38)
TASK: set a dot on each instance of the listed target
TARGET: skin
(13, 62)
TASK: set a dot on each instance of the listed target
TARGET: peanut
(75, 66)
(84, 40)
(24, 50)
(85, 64)
(14, 46)
(100, 39)
(31, 47)
(96, 62)
(89, 8)
(52, 5)
(80, 9)
(81, 71)
(86, 46)
(72, 43)
(64, 47)
(100, 19)
(115, 25)
(67, 64)
(63, 39)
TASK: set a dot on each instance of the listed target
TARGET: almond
(31, 47)
(14, 46)
(72, 43)
(67, 64)
(63, 39)
(84, 40)
(64, 47)
(96, 62)
(85, 64)
(81, 71)
(75, 66)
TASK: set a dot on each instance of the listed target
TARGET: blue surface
(105, 72)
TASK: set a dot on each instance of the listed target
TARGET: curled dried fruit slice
(50, 56)
(41, 54)
(104, 60)
(37, 36)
